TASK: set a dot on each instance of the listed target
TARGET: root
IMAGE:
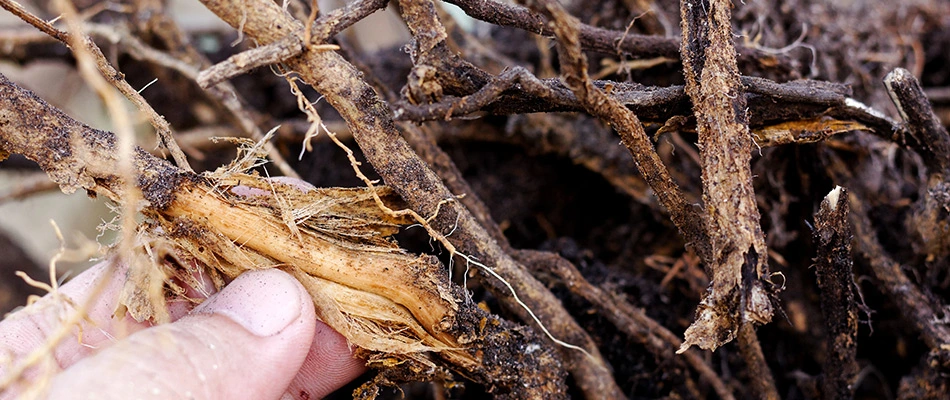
(314, 118)
(744, 135)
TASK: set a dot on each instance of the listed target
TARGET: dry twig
(114, 77)
(574, 68)
(593, 38)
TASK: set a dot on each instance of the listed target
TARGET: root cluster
(765, 199)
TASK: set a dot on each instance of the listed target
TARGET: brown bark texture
(536, 199)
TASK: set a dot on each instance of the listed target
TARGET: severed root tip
(929, 137)
(831, 199)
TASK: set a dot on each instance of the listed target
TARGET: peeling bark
(738, 264)
(390, 304)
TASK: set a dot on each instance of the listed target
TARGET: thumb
(247, 341)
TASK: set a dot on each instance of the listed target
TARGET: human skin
(244, 342)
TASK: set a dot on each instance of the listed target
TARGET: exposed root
(312, 115)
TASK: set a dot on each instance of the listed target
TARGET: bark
(737, 264)
(390, 304)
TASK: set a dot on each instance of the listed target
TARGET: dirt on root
(853, 280)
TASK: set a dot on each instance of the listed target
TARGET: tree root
(398, 308)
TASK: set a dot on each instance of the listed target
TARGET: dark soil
(561, 182)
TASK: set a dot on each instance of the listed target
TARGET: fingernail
(263, 302)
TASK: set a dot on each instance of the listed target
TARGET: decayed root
(371, 123)
(737, 293)
(397, 306)
(399, 309)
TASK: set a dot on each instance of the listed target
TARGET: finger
(298, 184)
(330, 364)
(197, 284)
(30, 328)
(242, 343)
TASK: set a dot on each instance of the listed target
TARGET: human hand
(243, 342)
(246, 341)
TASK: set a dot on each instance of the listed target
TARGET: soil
(559, 181)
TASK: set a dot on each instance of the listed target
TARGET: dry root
(397, 308)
